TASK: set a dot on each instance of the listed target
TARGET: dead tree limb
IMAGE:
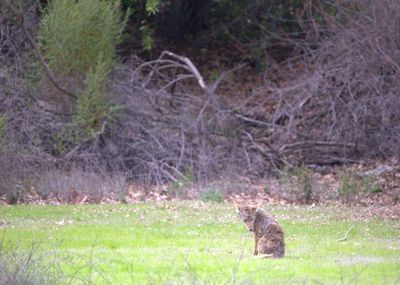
(308, 144)
(191, 67)
(183, 62)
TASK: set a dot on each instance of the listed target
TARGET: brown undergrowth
(376, 190)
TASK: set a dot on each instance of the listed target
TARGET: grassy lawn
(193, 242)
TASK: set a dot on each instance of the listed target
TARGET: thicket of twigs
(338, 103)
(342, 106)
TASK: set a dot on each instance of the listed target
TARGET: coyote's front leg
(255, 245)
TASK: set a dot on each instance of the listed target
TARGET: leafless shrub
(25, 267)
(14, 98)
(30, 141)
(13, 43)
(78, 186)
(35, 265)
(170, 132)
(340, 100)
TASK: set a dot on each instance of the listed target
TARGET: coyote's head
(246, 214)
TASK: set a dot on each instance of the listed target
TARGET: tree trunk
(186, 16)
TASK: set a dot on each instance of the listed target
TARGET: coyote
(268, 234)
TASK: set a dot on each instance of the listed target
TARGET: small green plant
(59, 139)
(178, 188)
(370, 184)
(152, 6)
(13, 196)
(212, 195)
(375, 188)
(175, 189)
(146, 33)
(299, 183)
(347, 186)
(306, 183)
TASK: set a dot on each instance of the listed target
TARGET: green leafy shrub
(75, 34)
(78, 40)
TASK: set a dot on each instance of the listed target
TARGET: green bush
(74, 34)
(78, 40)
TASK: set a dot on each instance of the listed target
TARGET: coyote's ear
(236, 206)
(259, 204)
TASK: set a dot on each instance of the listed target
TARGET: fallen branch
(169, 60)
(256, 122)
(192, 68)
(346, 234)
(310, 144)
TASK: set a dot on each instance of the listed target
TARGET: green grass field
(192, 242)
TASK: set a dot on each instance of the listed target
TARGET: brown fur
(268, 234)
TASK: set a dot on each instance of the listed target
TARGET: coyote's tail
(265, 256)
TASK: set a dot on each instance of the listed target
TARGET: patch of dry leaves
(385, 203)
